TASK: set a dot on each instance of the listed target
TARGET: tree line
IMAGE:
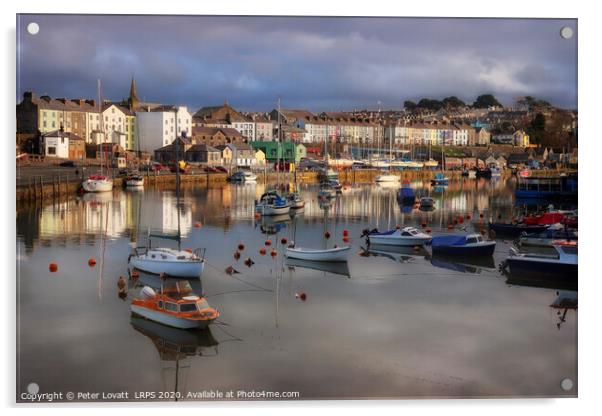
(451, 102)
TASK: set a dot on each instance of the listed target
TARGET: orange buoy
(283, 240)
(273, 253)
(450, 227)
(236, 255)
(301, 296)
(327, 235)
(53, 267)
(241, 246)
(345, 233)
(268, 242)
(262, 251)
(197, 224)
(257, 216)
(91, 262)
(188, 250)
(345, 239)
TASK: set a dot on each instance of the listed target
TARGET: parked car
(211, 169)
(157, 167)
(182, 170)
(221, 169)
(67, 164)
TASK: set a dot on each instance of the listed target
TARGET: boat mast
(177, 149)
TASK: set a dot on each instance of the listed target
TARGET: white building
(160, 126)
(56, 145)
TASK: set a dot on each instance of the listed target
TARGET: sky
(309, 62)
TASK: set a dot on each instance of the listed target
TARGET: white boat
(407, 236)
(295, 200)
(271, 203)
(134, 181)
(249, 176)
(386, 178)
(174, 263)
(176, 306)
(331, 254)
(97, 183)
(431, 163)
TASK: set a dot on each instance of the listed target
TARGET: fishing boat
(439, 180)
(175, 305)
(561, 264)
(330, 254)
(271, 203)
(516, 229)
(406, 194)
(462, 245)
(134, 180)
(407, 236)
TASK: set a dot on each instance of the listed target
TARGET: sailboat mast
(177, 148)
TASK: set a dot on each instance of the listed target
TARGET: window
(170, 306)
(160, 304)
(53, 124)
(188, 307)
(45, 123)
(471, 240)
(62, 140)
(52, 150)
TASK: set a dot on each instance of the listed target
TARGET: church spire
(134, 101)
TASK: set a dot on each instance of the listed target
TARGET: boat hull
(272, 210)
(184, 269)
(386, 179)
(512, 229)
(396, 240)
(134, 183)
(485, 249)
(170, 320)
(533, 267)
(91, 185)
(332, 255)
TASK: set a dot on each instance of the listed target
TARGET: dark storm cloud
(317, 63)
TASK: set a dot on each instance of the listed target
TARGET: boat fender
(148, 293)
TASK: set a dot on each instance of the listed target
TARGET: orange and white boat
(175, 305)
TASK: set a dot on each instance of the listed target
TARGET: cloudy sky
(310, 62)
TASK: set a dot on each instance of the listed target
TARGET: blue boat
(462, 245)
(440, 180)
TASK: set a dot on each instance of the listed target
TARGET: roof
(212, 131)
(201, 147)
(60, 133)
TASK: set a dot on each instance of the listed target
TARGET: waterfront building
(242, 155)
(225, 154)
(225, 116)
(204, 154)
(283, 151)
(159, 126)
(214, 136)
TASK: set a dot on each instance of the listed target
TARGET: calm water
(388, 325)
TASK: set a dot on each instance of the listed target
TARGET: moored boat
(440, 180)
(548, 237)
(174, 305)
(407, 236)
(97, 183)
(174, 263)
(134, 180)
(462, 245)
(271, 203)
(406, 193)
(427, 202)
(561, 264)
(331, 254)
(386, 178)
(515, 229)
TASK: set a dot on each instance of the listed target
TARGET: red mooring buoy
(53, 267)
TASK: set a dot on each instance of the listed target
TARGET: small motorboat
(440, 180)
(331, 254)
(516, 229)
(547, 218)
(175, 305)
(386, 178)
(243, 176)
(134, 180)
(97, 183)
(407, 236)
(271, 203)
(561, 264)
(462, 245)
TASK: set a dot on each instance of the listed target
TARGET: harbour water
(388, 325)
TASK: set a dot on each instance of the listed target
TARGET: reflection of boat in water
(397, 253)
(275, 223)
(426, 202)
(463, 264)
(177, 346)
(340, 268)
(462, 245)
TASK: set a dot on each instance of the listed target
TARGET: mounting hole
(33, 388)
(33, 28)
(566, 32)
(566, 384)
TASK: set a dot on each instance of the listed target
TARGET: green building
(283, 151)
